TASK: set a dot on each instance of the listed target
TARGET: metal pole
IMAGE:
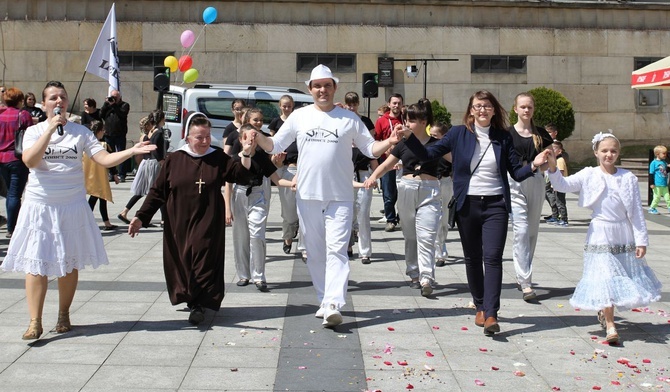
(425, 78)
(368, 106)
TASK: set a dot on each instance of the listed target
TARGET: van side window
(217, 108)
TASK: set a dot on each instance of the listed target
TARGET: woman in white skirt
(150, 165)
(56, 233)
(526, 196)
(615, 271)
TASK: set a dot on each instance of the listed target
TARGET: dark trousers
(103, 207)
(482, 225)
(390, 196)
(118, 143)
(15, 175)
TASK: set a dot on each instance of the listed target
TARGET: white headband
(600, 136)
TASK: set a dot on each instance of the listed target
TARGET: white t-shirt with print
(324, 140)
(59, 177)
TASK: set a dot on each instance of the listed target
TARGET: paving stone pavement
(127, 336)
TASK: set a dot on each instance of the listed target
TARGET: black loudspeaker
(161, 79)
(370, 85)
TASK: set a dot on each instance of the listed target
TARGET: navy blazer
(460, 142)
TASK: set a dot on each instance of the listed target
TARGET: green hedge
(551, 107)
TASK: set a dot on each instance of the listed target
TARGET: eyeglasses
(479, 107)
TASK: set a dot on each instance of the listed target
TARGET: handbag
(18, 138)
(451, 207)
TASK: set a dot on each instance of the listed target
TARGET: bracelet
(246, 156)
(532, 166)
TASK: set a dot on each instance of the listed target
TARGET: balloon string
(196, 39)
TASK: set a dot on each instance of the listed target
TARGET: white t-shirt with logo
(324, 140)
(59, 177)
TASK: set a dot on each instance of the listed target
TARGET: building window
(647, 98)
(498, 64)
(141, 61)
(339, 63)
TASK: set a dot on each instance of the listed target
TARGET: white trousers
(326, 226)
(250, 216)
(289, 210)
(527, 198)
(446, 192)
(420, 205)
(361, 222)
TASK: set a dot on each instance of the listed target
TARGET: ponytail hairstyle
(247, 115)
(440, 128)
(155, 117)
(429, 110)
(419, 111)
(499, 120)
(537, 140)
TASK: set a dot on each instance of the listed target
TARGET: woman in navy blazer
(482, 154)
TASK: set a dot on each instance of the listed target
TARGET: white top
(59, 178)
(324, 139)
(612, 197)
(485, 180)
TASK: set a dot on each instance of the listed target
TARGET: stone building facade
(586, 50)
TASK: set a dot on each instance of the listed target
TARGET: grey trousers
(419, 205)
(446, 192)
(250, 217)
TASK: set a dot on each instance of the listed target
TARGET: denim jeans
(15, 175)
(390, 196)
(118, 143)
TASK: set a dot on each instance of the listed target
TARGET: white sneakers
(331, 316)
(320, 312)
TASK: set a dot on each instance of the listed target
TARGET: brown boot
(491, 326)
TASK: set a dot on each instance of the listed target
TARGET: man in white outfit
(325, 133)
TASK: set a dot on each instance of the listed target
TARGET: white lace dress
(612, 274)
(56, 231)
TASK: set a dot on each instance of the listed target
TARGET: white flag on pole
(104, 60)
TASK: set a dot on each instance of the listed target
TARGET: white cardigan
(590, 184)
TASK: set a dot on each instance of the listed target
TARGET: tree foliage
(440, 113)
(551, 107)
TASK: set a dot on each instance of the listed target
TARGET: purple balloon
(187, 38)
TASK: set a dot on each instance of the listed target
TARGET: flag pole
(74, 102)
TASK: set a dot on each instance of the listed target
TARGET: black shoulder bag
(18, 137)
(451, 207)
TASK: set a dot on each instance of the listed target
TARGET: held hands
(401, 132)
(116, 178)
(396, 136)
(369, 183)
(249, 142)
(541, 159)
(134, 227)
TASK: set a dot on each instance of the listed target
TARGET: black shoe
(110, 228)
(287, 248)
(243, 282)
(440, 262)
(123, 219)
(350, 253)
(262, 286)
(197, 315)
(366, 260)
(415, 285)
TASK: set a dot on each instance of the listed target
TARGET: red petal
(464, 328)
(636, 310)
(572, 352)
(435, 327)
(594, 338)
(409, 386)
(479, 383)
(391, 329)
(429, 354)
(616, 383)
(646, 360)
(482, 349)
(519, 373)
(555, 388)
(596, 388)
(402, 363)
(387, 363)
(495, 368)
(376, 356)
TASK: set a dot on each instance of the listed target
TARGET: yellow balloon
(191, 75)
(172, 63)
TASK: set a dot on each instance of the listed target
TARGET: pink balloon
(187, 38)
(185, 63)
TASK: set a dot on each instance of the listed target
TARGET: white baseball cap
(321, 72)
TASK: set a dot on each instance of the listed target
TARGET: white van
(215, 101)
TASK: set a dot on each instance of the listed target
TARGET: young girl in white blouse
(615, 271)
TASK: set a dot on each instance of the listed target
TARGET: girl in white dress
(56, 233)
(615, 271)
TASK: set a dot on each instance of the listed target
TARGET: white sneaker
(319, 313)
(382, 220)
(332, 317)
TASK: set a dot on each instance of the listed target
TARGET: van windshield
(221, 108)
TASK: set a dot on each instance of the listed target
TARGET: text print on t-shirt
(61, 152)
(322, 135)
